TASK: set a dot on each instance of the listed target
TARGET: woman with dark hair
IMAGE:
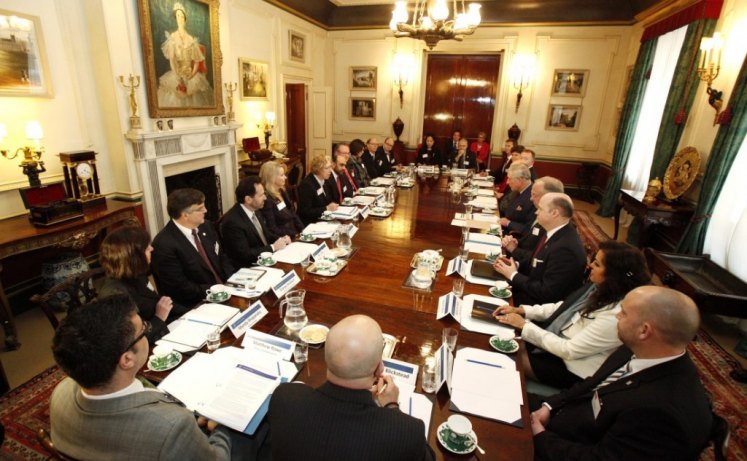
(428, 153)
(125, 257)
(578, 334)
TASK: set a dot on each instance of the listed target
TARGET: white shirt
(134, 387)
(637, 364)
(187, 233)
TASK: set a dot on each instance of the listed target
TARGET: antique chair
(45, 439)
(720, 433)
(69, 294)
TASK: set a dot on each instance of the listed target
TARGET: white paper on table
(459, 172)
(401, 372)
(194, 379)
(189, 334)
(484, 202)
(363, 200)
(372, 190)
(483, 243)
(322, 230)
(472, 224)
(483, 326)
(242, 321)
(294, 253)
(484, 183)
(216, 315)
(449, 304)
(269, 277)
(268, 344)
(417, 406)
(382, 181)
(344, 212)
(476, 280)
(268, 363)
(485, 193)
(485, 217)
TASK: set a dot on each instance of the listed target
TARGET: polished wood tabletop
(372, 284)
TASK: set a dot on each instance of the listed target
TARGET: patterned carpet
(26, 409)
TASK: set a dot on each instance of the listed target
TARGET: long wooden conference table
(371, 284)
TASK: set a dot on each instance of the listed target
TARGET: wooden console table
(658, 213)
(18, 235)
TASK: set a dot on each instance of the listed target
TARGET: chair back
(720, 433)
(80, 290)
(45, 439)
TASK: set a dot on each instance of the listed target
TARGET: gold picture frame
(362, 108)
(254, 80)
(563, 117)
(181, 50)
(363, 78)
(25, 71)
(681, 172)
(296, 46)
(570, 82)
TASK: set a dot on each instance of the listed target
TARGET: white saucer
(445, 427)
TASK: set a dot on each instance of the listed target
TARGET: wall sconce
(709, 67)
(401, 67)
(522, 73)
(32, 164)
(266, 126)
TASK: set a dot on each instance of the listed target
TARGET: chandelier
(431, 22)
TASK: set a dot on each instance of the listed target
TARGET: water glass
(464, 254)
(467, 212)
(449, 337)
(458, 287)
(429, 378)
(301, 352)
(306, 261)
(213, 340)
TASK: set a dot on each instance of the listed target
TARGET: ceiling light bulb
(474, 14)
(426, 22)
(34, 131)
(440, 11)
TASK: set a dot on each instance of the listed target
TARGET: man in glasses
(385, 161)
(101, 411)
(187, 258)
(369, 157)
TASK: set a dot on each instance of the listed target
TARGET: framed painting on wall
(23, 69)
(570, 82)
(563, 117)
(296, 46)
(255, 79)
(363, 78)
(181, 49)
(363, 108)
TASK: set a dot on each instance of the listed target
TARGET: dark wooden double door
(460, 95)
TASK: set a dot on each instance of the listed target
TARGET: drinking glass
(449, 337)
(213, 340)
(301, 352)
(429, 375)
(306, 261)
(458, 287)
(467, 211)
(464, 254)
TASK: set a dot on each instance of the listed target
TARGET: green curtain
(628, 122)
(728, 141)
(681, 95)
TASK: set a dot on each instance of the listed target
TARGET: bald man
(557, 264)
(646, 401)
(352, 415)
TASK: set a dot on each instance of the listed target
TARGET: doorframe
(296, 79)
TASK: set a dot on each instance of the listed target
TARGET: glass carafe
(295, 315)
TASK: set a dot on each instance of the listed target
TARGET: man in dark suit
(315, 195)
(646, 401)
(385, 161)
(463, 158)
(369, 157)
(452, 147)
(243, 230)
(187, 258)
(520, 212)
(342, 182)
(558, 261)
(527, 158)
(355, 414)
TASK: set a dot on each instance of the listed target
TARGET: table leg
(6, 319)
(618, 209)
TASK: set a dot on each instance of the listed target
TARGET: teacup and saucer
(456, 435)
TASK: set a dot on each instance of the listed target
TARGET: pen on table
(484, 363)
(201, 321)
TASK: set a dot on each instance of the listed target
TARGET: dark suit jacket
(345, 186)
(430, 157)
(527, 243)
(332, 422)
(468, 161)
(499, 174)
(179, 270)
(370, 162)
(361, 175)
(660, 413)
(384, 165)
(311, 204)
(559, 270)
(521, 212)
(281, 222)
(241, 239)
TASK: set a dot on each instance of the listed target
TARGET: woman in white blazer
(574, 336)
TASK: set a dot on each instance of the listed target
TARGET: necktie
(258, 227)
(339, 186)
(617, 374)
(540, 245)
(352, 183)
(204, 256)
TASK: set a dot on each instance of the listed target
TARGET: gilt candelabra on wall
(31, 163)
(134, 83)
(709, 68)
(230, 87)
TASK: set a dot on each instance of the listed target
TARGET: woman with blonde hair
(279, 212)
(315, 195)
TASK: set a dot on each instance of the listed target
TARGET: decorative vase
(398, 125)
(514, 132)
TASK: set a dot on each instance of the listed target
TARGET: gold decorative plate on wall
(681, 172)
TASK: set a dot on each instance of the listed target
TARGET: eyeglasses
(201, 209)
(146, 330)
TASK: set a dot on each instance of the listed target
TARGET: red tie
(204, 256)
(339, 186)
(352, 183)
(540, 245)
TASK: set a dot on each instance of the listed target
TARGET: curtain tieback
(700, 217)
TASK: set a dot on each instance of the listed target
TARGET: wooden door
(295, 114)
(460, 95)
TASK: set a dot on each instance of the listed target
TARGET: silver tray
(341, 263)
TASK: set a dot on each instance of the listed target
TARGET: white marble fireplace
(159, 155)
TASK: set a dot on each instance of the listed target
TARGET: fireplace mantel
(166, 153)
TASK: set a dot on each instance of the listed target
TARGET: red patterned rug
(26, 409)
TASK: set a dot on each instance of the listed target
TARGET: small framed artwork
(24, 70)
(363, 108)
(255, 79)
(363, 78)
(563, 117)
(296, 46)
(570, 82)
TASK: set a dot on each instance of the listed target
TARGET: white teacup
(265, 257)
(501, 284)
(162, 350)
(459, 425)
(217, 291)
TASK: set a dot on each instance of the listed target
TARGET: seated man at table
(351, 416)
(521, 211)
(385, 161)
(343, 182)
(558, 261)
(463, 157)
(101, 411)
(243, 230)
(527, 158)
(187, 258)
(646, 401)
(314, 193)
(369, 157)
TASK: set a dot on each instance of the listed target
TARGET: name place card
(287, 282)
(247, 319)
(268, 344)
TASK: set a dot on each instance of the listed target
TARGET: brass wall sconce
(266, 126)
(401, 67)
(522, 72)
(709, 67)
(31, 163)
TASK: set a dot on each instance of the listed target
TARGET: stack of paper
(501, 400)
(322, 230)
(294, 253)
(343, 212)
(262, 277)
(372, 190)
(484, 202)
(363, 200)
(483, 243)
(405, 376)
(380, 181)
(191, 330)
(483, 183)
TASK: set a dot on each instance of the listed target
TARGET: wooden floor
(35, 332)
